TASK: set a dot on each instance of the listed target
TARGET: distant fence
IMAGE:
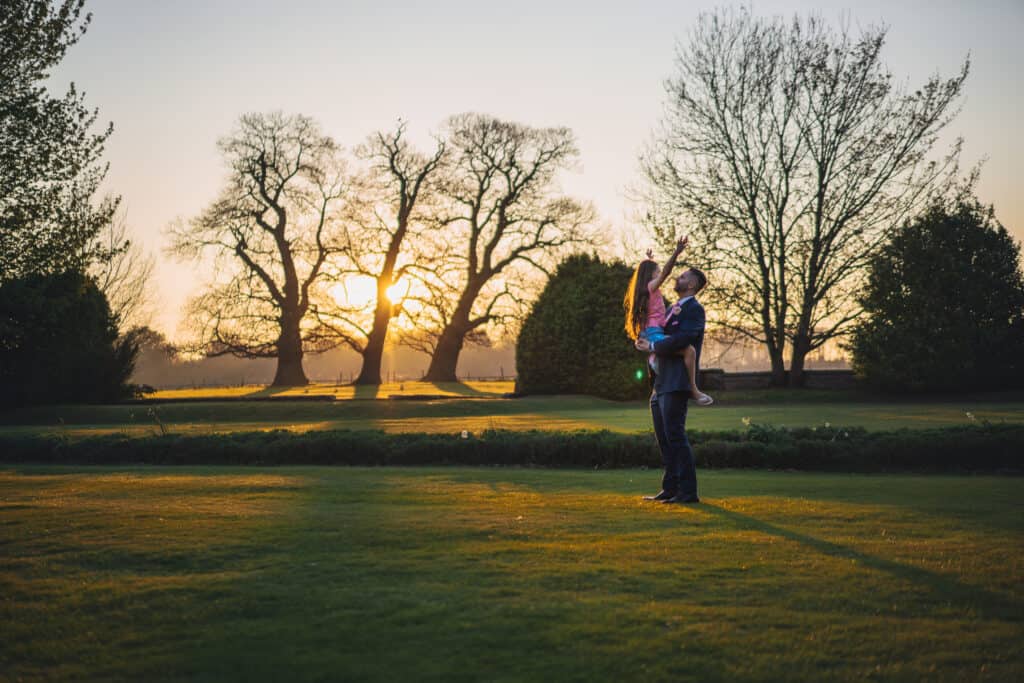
(721, 380)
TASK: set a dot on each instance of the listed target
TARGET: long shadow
(459, 389)
(267, 392)
(365, 392)
(988, 603)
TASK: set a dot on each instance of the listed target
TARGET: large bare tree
(501, 216)
(385, 229)
(267, 238)
(790, 153)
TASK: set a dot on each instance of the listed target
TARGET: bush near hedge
(573, 340)
(972, 448)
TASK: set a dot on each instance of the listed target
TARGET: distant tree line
(942, 311)
(804, 174)
(453, 241)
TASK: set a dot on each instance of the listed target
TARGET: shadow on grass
(267, 392)
(365, 392)
(947, 589)
(458, 388)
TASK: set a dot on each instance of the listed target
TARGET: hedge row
(980, 448)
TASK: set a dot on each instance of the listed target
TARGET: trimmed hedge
(975, 448)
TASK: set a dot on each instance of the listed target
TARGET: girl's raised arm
(670, 264)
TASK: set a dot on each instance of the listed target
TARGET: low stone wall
(714, 378)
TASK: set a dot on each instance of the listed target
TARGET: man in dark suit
(671, 389)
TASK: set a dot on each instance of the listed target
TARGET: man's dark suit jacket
(684, 328)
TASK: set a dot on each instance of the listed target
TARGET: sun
(359, 291)
(397, 291)
(355, 292)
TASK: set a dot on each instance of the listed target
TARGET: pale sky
(174, 77)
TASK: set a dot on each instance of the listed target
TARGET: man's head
(690, 283)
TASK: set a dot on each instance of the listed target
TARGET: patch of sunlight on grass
(130, 493)
(474, 424)
(478, 389)
(314, 574)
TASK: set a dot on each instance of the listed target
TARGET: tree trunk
(289, 356)
(449, 345)
(373, 354)
(796, 365)
(446, 356)
(778, 369)
(775, 351)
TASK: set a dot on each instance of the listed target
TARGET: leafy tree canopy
(573, 342)
(944, 305)
(50, 165)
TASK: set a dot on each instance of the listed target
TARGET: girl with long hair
(645, 313)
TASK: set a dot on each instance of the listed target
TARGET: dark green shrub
(944, 306)
(59, 342)
(573, 340)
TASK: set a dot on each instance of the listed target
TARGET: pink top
(655, 306)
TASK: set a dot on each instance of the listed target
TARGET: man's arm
(674, 343)
(689, 330)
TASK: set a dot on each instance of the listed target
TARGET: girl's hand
(650, 254)
(681, 244)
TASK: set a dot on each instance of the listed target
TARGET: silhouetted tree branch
(269, 234)
(385, 224)
(501, 216)
(790, 155)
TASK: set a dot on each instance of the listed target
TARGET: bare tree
(268, 235)
(124, 275)
(502, 216)
(382, 245)
(790, 154)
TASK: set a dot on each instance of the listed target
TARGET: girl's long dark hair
(637, 298)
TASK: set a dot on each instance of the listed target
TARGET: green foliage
(972, 448)
(944, 306)
(59, 342)
(573, 341)
(49, 158)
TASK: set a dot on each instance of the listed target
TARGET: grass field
(479, 409)
(506, 575)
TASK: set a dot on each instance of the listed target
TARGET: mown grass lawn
(476, 412)
(506, 574)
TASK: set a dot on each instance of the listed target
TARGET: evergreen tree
(573, 341)
(944, 306)
(59, 342)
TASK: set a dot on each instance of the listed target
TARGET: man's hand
(643, 345)
(650, 254)
(681, 244)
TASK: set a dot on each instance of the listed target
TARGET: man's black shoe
(663, 495)
(682, 499)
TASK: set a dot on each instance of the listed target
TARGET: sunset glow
(357, 291)
(598, 69)
(398, 291)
